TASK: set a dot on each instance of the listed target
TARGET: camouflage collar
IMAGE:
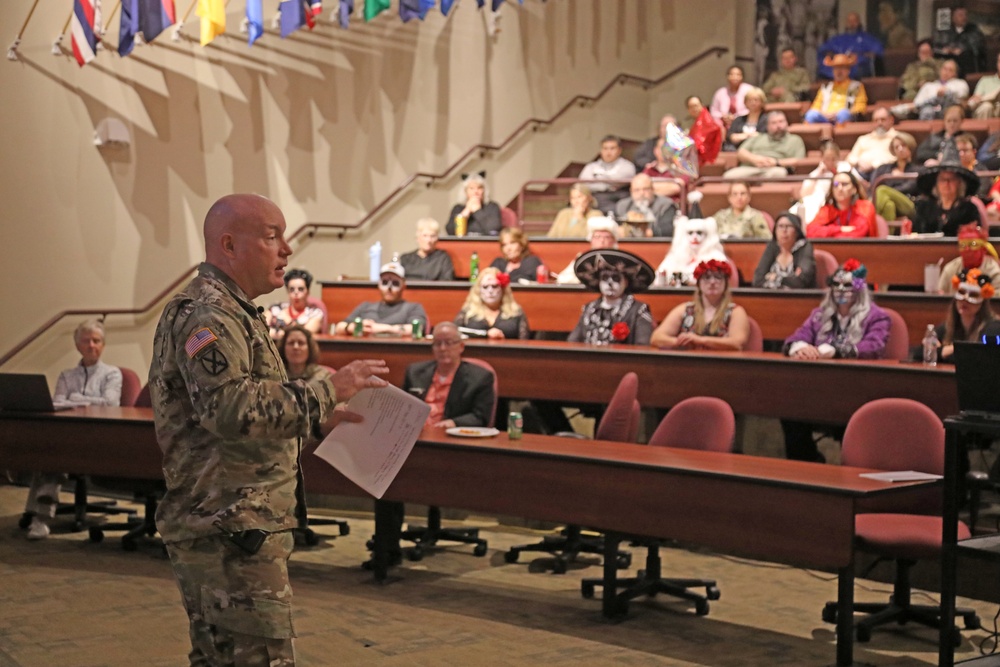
(215, 273)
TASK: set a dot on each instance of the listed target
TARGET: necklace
(295, 314)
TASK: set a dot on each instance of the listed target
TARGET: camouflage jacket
(228, 420)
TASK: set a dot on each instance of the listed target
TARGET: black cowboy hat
(589, 265)
(927, 180)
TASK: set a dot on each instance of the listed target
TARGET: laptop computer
(28, 392)
(977, 376)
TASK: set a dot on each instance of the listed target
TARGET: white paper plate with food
(473, 431)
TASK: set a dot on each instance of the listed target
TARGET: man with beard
(645, 213)
(872, 150)
(768, 155)
(391, 315)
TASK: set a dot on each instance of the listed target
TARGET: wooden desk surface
(889, 261)
(557, 307)
(765, 384)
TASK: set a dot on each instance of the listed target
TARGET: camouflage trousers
(239, 606)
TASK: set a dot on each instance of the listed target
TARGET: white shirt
(99, 384)
(619, 170)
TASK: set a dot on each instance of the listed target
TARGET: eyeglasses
(966, 150)
(389, 283)
(445, 343)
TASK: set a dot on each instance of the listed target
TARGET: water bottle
(474, 267)
(375, 261)
(930, 346)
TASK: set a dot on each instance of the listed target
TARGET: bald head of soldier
(245, 238)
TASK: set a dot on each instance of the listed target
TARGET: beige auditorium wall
(325, 123)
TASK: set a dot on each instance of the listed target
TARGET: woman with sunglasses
(709, 322)
(968, 314)
(490, 309)
(847, 212)
(297, 309)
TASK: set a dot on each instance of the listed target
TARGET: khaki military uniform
(917, 74)
(230, 426)
(795, 81)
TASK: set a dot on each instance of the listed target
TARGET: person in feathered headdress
(975, 252)
(969, 312)
(711, 321)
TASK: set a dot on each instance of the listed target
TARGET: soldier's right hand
(358, 375)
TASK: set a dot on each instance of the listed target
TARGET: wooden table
(755, 383)
(889, 261)
(557, 307)
(738, 504)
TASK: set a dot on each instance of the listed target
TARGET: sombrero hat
(589, 265)
(840, 60)
(928, 178)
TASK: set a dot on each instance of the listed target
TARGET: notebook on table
(27, 392)
(977, 376)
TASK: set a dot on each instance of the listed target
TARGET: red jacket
(707, 136)
(830, 219)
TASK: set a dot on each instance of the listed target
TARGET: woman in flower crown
(969, 312)
(709, 322)
(491, 309)
(846, 325)
(616, 316)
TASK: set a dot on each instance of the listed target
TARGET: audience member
(516, 259)
(727, 102)
(490, 309)
(854, 40)
(968, 314)
(993, 203)
(989, 152)
(920, 71)
(788, 261)
(936, 96)
(644, 213)
(966, 145)
(873, 149)
(90, 382)
(946, 206)
(962, 41)
(481, 216)
(974, 252)
(609, 166)
(297, 310)
(894, 196)
(300, 354)
(940, 146)
(711, 321)
(390, 315)
(789, 83)
(769, 155)
(847, 213)
(427, 262)
(841, 100)
(696, 240)
(744, 127)
(846, 325)
(663, 169)
(616, 316)
(644, 155)
(985, 100)
(706, 132)
(603, 233)
(571, 222)
(895, 33)
(815, 190)
(740, 220)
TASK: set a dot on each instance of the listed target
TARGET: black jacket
(471, 400)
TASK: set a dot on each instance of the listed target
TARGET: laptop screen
(977, 376)
(24, 392)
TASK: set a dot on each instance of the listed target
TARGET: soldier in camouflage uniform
(230, 425)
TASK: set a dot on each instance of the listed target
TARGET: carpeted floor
(69, 602)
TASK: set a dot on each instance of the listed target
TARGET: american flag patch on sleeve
(198, 340)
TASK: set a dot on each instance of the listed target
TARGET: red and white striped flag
(86, 23)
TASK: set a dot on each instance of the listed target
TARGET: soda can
(515, 426)
(418, 329)
(542, 274)
(359, 327)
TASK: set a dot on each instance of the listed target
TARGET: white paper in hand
(372, 451)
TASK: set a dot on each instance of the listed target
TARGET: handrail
(311, 228)
(565, 181)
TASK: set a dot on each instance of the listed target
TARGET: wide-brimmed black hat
(927, 180)
(589, 265)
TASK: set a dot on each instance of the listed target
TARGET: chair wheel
(712, 593)
(972, 621)
(480, 550)
(96, 535)
(345, 529)
(701, 607)
(309, 537)
(559, 566)
(956, 637)
(415, 554)
(586, 589)
(78, 526)
(511, 556)
(830, 613)
(129, 544)
(864, 634)
(24, 521)
(623, 561)
(370, 545)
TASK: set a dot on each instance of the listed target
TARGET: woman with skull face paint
(491, 308)
(846, 325)
(615, 317)
(711, 321)
(969, 312)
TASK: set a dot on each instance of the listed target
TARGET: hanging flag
(155, 16)
(344, 11)
(375, 7)
(86, 15)
(410, 9)
(446, 6)
(213, 19)
(128, 26)
(255, 20)
(294, 15)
